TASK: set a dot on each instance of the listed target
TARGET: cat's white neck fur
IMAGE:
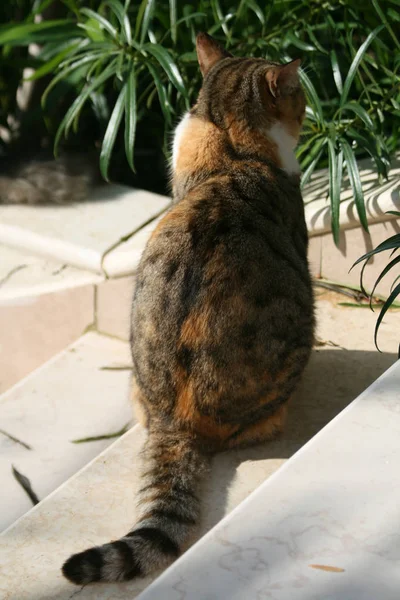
(178, 135)
(277, 133)
(286, 145)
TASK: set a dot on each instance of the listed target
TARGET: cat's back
(233, 225)
(223, 288)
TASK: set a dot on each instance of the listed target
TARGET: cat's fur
(222, 318)
(65, 180)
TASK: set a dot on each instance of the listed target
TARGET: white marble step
(81, 234)
(326, 526)
(23, 275)
(45, 305)
(68, 398)
(98, 503)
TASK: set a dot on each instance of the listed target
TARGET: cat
(65, 180)
(222, 315)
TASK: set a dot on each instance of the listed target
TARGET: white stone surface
(22, 274)
(98, 503)
(35, 328)
(325, 526)
(379, 198)
(80, 234)
(124, 258)
(69, 397)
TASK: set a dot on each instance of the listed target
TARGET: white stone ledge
(124, 259)
(25, 275)
(82, 234)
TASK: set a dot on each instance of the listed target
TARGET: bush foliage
(123, 72)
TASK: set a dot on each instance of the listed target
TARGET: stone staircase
(66, 276)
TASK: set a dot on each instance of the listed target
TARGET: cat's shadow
(333, 379)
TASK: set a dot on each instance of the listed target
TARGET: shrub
(129, 69)
(391, 243)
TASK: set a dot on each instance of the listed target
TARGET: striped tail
(169, 513)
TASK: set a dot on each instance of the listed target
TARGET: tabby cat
(222, 318)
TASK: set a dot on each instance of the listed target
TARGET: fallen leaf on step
(327, 568)
(26, 485)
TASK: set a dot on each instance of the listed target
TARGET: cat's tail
(169, 512)
(62, 181)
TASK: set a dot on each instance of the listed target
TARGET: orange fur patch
(194, 329)
(198, 147)
(175, 217)
(187, 413)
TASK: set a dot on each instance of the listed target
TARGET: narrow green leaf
(103, 22)
(386, 270)
(356, 63)
(111, 132)
(51, 65)
(172, 19)
(389, 244)
(310, 115)
(358, 110)
(130, 117)
(312, 96)
(39, 7)
(337, 76)
(317, 145)
(384, 20)
(65, 72)
(254, 7)
(147, 16)
(26, 33)
(51, 49)
(93, 29)
(26, 485)
(355, 181)
(315, 40)
(15, 439)
(334, 192)
(167, 63)
(219, 16)
(306, 143)
(384, 309)
(106, 436)
(122, 17)
(162, 94)
(394, 282)
(297, 43)
(120, 64)
(339, 169)
(370, 146)
(310, 170)
(139, 17)
(76, 106)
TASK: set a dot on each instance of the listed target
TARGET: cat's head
(255, 92)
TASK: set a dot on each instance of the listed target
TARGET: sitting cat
(222, 317)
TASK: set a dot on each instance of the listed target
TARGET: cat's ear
(209, 52)
(283, 78)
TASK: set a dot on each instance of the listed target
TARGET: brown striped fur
(222, 317)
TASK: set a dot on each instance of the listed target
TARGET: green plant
(132, 67)
(393, 244)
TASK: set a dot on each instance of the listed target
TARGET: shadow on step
(333, 379)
